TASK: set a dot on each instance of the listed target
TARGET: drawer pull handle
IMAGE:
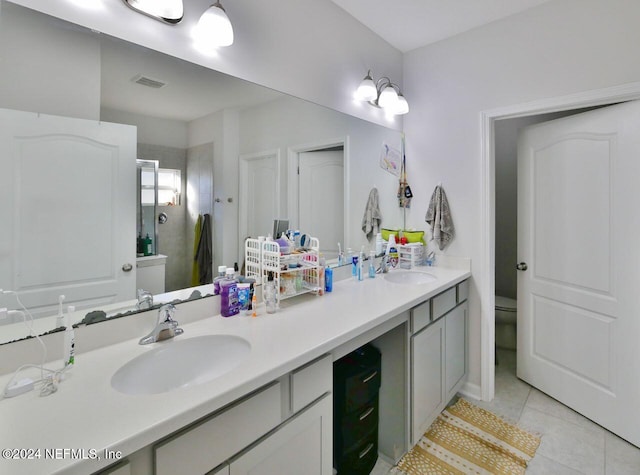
(366, 414)
(370, 377)
(366, 451)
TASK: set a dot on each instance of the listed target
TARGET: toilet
(506, 318)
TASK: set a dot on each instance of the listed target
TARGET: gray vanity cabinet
(438, 353)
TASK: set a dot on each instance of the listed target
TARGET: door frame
(486, 285)
(243, 190)
(293, 153)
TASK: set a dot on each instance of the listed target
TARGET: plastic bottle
(243, 298)
(392, 250)
(148, 246)
(360, 271)
(372, 264)
(222, 270)
(379, 244)
(229, 305)
(354, 267)
(328, 279)
(270, 294)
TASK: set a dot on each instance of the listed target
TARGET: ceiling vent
(149, 82)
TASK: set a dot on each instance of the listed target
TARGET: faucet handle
(166, 313)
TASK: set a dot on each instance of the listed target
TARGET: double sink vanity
(246, 395)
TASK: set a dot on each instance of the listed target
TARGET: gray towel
(203, 253)
(439, 218)
(372, 218)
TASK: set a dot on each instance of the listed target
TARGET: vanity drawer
(206, 445)
(420, 316)
(310, 382)
(444, 302)
(463, 291)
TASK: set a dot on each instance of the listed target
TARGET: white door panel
(578, 303)
(68, 209)
(259, 194)
(321, 198)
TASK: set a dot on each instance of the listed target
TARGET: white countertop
(86, 413)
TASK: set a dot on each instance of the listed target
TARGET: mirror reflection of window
(168, 187)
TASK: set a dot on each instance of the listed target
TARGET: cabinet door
(302, 445)
(455, 349)
(427, 378)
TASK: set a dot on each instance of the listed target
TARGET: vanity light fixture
(214, 28)
(169, 11)
(383, 94)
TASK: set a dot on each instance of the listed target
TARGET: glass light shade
(213, 28)
(388, 98)
(402, 106)
(165, 9)
(367, 90)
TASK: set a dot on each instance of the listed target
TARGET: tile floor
(571, 444)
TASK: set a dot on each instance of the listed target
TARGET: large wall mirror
(244, 154)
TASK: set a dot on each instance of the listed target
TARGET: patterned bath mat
(466, 439)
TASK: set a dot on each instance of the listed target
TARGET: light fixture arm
(381, 83)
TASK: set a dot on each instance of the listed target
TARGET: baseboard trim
(471, 390)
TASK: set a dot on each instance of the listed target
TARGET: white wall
(151, 130)
(308, 48)
(290, 123)
(46, 69)
(559, 48)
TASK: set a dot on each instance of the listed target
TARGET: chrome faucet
(384, 265)
(165, 328)
(145, 300)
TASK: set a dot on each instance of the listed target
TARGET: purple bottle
(229, 303)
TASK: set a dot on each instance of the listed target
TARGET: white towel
(372, 218)
(439, 218)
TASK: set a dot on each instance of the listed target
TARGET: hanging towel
(195, 272)
(439, 218)
(203, 254)
(372, 218)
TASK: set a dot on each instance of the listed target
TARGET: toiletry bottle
(229, 295)
(270, 294)
(254, 306)
(222, 270)
(340, 256)
(321, 275)
(69, 339)
(372, 264)
(328, 279)
(393, 251)
(148, 246)
(379, 244)
(360, 271)
(243, 298)
(354, 267)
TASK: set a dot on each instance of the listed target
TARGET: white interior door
(259, 195)
(321, 198)
(67, 210)
(578, 231)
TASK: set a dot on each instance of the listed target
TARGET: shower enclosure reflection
(147, 205)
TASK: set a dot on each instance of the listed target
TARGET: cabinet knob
(127, 267)
(522, 266)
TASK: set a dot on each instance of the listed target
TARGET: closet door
(68, 210)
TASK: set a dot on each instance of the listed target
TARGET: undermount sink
(409, 277)
(180, 363)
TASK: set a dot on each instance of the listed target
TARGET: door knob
(127, 267)
(522, 266)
